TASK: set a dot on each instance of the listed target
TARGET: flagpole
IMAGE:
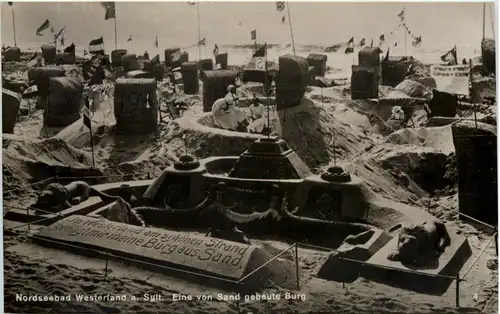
(116, 36)
(199, 31)
(291, 29)
(484, 18)
(14, 24)
(266, 83)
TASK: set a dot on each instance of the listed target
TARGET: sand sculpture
(417, 244)
(56, 197)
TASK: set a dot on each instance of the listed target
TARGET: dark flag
(395, 44)
(10, 3)
(260, 52)
(156, 42)
(350, 46)
(402, 15)
(59, 34)
(362, 42)
(416, 42)
(202, 42)
(96, 45)
(450, 56)
(191, 3)
(280, 6)
(110, 10)
(70, 48)
(283, 20)
(156, 59)
(382, 38)
(253, 34)
(43, 27)
(129, 38)
(87, 120)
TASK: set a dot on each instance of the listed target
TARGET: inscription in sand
(213, 255)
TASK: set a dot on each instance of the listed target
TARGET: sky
(175, 24)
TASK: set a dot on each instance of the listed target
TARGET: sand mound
(404, 173)
(34, 160)
(438, 138)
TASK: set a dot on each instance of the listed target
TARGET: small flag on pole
(96, 45)
(10, 3)
(43, 27)
(402, 15)
(156, 42)
(191, 3)
(202, 42)
(110, 10)
(350, 46)
(129, 38)
(283, 20)
(395, 44)
(362, 42)
(450, 56)
(280, 6)
(59, 33)
(253, 34)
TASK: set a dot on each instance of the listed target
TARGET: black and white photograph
(249, 157)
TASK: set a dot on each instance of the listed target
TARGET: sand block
(180, 251)
(448, 264)
(360, 248)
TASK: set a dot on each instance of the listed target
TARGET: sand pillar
(476, 155)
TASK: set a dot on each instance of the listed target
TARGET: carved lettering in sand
(208, 254)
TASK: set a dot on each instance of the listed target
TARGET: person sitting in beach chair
(227, 115)
(397, 118)
(257, 116)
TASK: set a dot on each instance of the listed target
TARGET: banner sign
(452, 79)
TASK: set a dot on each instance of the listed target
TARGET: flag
(253, 34)
(216, 50)
(70, 48)
(10, 3)
(96, 45)
(43, 27)
(280, 6)
(87, 120)
(110, 10)
(382, 38)
(156, 42)
(283, 20)
(386, 58)
(59, 33)
(362, 42)
(395, 44)
(202, 42)
(260, 52)
(416, 42)
(350, 44)
(402, 15)
(191, 3)
(450, 56)
(129, 38)
(156, 59)
(62, 40)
